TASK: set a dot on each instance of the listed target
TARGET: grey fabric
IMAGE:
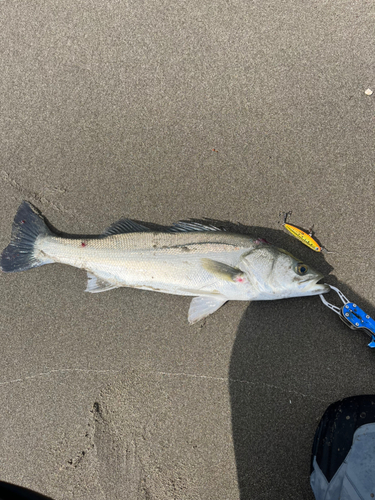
(324, 490)
(355, 479)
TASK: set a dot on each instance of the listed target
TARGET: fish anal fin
(203, 306)
(96, 284)
(223, 271)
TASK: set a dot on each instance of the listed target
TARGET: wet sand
(160, 111)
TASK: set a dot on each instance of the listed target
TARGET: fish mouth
(312, 287)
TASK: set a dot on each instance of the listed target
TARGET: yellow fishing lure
(305, 238)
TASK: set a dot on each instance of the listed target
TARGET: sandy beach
(161, 111)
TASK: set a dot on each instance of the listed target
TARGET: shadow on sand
(290, 360)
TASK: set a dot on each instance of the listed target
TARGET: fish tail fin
(19, 255)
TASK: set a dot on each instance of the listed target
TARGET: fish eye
(301, 269)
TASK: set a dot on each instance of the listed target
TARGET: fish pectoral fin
(96, 284)
(203, 306)
(223, 271)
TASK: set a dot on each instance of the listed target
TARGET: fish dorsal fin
(223, 271)
(96, 284)
(203, 306)
(185, 227)
(125, 226)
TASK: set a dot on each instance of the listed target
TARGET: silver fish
(188, 258)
